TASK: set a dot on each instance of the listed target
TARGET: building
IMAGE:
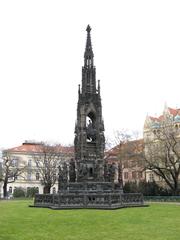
(162, 147)
(25, 156)
(129, 156)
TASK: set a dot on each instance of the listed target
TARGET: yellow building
(162, 147)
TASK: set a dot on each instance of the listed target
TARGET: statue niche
(90, 127)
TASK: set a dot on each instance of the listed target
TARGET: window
(29, 176)
(90, 172)
(140, 175)
(29, 163)
(54, 190)
(139, 163)
(133, 164)
(126, 164)
(10, 189)
(176, 126)
(14, 162)
(151, 177)
(54, 176)
(134, 175)
(37, 176)
(126, 175)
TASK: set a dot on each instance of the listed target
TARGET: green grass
(20, 222)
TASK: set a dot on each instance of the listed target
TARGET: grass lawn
(20, 222)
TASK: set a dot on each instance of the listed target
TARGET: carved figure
(106, 173)
(91, 131)
(112, 172)
(60, 180)
(83, 171)
(72, 171)
(65, 173)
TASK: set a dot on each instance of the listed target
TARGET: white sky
(137, 56)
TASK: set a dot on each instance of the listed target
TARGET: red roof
(172, 111)
(154, 118)
(38, 148)
(134, 146)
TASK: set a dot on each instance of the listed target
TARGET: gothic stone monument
(87, 182)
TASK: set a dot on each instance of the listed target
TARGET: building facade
(162, 145)
(25, 156)
(129, 156)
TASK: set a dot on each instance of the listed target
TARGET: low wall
(162, 198)
(66, 200)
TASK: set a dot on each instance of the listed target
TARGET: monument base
(92, 195)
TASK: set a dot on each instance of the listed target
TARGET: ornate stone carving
(72, 171)
(94, 186)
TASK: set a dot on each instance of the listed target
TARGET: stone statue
(65, 173)
(106, 172)
(112, 172)
(72, 171)
(60, 180)
(91, 132)
(83, 171)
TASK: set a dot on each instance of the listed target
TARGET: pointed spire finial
(88, 29)
(88, 55)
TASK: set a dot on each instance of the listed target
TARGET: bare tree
(128, 151)
(162, 153)
(47, 159)
(11, 169)
(128, 147)
(0, 170)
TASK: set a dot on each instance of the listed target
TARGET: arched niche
(90, 125)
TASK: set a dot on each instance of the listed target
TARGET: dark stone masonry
(87, 181)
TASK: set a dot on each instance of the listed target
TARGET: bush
(19, 192)
(149, 188)
(130, 187)
(146, 188)
(31, 191)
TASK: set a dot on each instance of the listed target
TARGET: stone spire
(89, 130)
(88, 70)
(88, 55)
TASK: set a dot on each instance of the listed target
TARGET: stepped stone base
(89, 195)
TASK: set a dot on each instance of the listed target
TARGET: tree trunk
(176, 190)
(5, 192)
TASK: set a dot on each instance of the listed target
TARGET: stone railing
(88, 200)
(130, 199)
(89, 186)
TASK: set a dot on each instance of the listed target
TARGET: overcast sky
(137, 56)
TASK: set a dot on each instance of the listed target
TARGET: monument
(87, 181)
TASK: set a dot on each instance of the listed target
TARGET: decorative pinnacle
(88, 55)
(88, 29)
